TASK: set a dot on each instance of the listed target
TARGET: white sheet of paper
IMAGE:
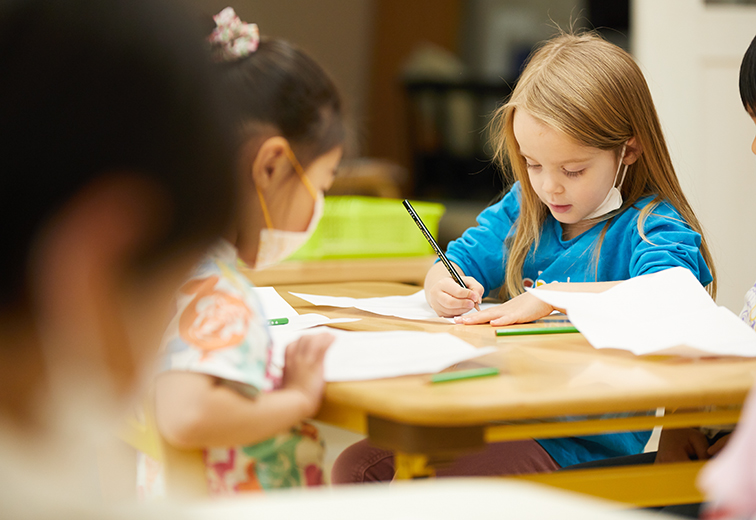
(412, 307)
(357, 356)
(284, 334)
(667, 312)
(274, 306)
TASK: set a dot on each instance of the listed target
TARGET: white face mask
(276, 244)
(613, 199)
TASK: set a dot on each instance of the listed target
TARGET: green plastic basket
(361, 227)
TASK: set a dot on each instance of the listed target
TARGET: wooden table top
(410, 269)
(541, 376)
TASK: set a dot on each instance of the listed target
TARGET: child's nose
(551, 183)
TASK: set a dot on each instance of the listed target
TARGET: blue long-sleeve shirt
(481, 252)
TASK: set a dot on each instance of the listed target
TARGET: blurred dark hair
(748, 79)
(281, 86)
(91, 88)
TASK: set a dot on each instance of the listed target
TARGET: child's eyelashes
(570, 173)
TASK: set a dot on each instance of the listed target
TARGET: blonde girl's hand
(520, 309)
(303, 370)
(448, 299)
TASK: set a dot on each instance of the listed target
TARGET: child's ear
(633, 151)
(270, 162)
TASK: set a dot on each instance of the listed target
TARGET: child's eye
(531, 166)
(569, 173)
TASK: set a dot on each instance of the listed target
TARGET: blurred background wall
(421, 77)
(690, 52)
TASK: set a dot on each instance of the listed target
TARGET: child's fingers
(454, 290)
(291, 350)
(321, 341)
(294, 352)
(717, 446)
(700, 445)
(321, 354)
(513, 316)
(309, 349)
(676, 454)
(449, 299)
(525, 308)
(477, 318)
(313, 340)
(475, 287)
(452, 306)
(320, 348)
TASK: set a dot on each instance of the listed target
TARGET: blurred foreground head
(115, 173)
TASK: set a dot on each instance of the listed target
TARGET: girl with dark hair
(218, 390)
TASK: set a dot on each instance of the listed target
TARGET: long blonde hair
(592, 91)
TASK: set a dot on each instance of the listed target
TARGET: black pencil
(449, 267)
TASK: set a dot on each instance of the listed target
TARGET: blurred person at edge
(729, 481)
(116, 174)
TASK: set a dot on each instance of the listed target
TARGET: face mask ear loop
(266, 215)
(300, 171)
(624, 172)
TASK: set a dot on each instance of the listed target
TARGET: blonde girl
(595, 201)
(596, 198)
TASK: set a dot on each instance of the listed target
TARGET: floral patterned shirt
(219, 330)
(748, 314)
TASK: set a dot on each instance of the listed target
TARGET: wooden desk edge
(419, 415)
(644, 485)
(411, 269)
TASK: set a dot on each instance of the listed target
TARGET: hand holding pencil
(446, 297)
(460, 299)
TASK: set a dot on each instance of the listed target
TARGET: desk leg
(419, 449)
(412, 465)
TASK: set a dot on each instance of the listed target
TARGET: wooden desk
(543, 378)
(411, 269)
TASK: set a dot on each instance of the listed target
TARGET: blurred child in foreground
(116, 175)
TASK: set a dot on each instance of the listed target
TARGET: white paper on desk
(274, 306)
(667, 312)
(412, 307)
(282, 335)
(358, 356)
